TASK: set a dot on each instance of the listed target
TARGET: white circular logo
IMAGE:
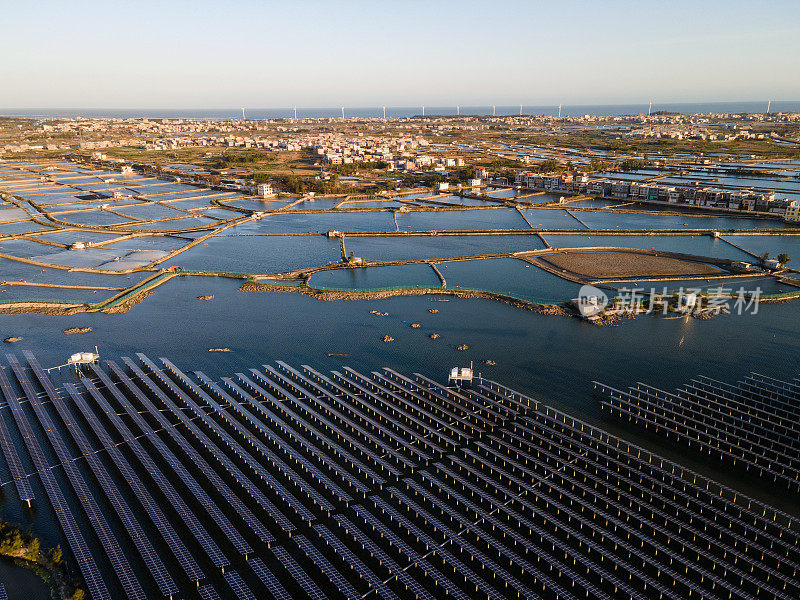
(591, 300)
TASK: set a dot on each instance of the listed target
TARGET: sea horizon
(375, 112)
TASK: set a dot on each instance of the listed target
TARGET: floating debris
(433, 310)
(219, 349)
(378, 313)
(332, 354)
(433, 336)
(72, 330)
(491, 363)
(388, 338)
(462, 347)
(416, 325)
(11, 340)
(205, 297)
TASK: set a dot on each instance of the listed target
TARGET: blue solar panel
(273, 418)
(380, 420)
(187, 478)
(239, 587)
(355, 563)
(165, 583)
(119, 562)
(240, 477)
(333, 406)
(251, 462)
(202, 465)
(329, 444)
(18, 473)
(207, 592)
(298, 574)
(176, 501)
(292, 454)
(324, 565)
(411, 585)
(269, 580)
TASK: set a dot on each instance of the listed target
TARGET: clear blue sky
(265, 54)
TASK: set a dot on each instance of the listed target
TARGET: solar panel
(324, 565)
(331, 445)
(251, 462)
(451, 413)
(186, 514)
(339, 411)
(119, 562)
(457, 539)
(202, 465)
(269, 580)
(215, 452)
(203, 499)
(442, 552)
(239, 587)
(411, 584)
(354, 562)
(300, 461)
(151, 506)
(298, 574)
(18, 473)
(156, 567)
(393, 414)
(207, 592)
(406, 438)
(321, 455)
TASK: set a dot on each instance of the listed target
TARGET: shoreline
(24, 551)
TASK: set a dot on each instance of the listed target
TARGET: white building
(264, 190)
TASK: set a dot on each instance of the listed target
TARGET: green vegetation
(358, 167)
(25, 550)
(612, 142)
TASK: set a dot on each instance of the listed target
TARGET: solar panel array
(283, 482)
(753, 426)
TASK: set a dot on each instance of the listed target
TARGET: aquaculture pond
(509, 276)
(500, 218)
(259, 254)
(369, 278)
(440, 246)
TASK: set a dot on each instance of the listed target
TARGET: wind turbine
(243, 118)
(768, 104)
(520, 110)
(343, 113)
(458, 110)
(493, 111)
(649, 108)
(384, 112)
(559, 111)
(295, 113)
(423, 111)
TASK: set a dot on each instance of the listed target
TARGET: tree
(11, 544)
(32, 553)
(783, 258)
(56, 555)
(79, 595)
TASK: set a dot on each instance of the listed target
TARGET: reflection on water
(22, 583)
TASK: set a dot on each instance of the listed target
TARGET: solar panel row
(432, 492)
(108, 541)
